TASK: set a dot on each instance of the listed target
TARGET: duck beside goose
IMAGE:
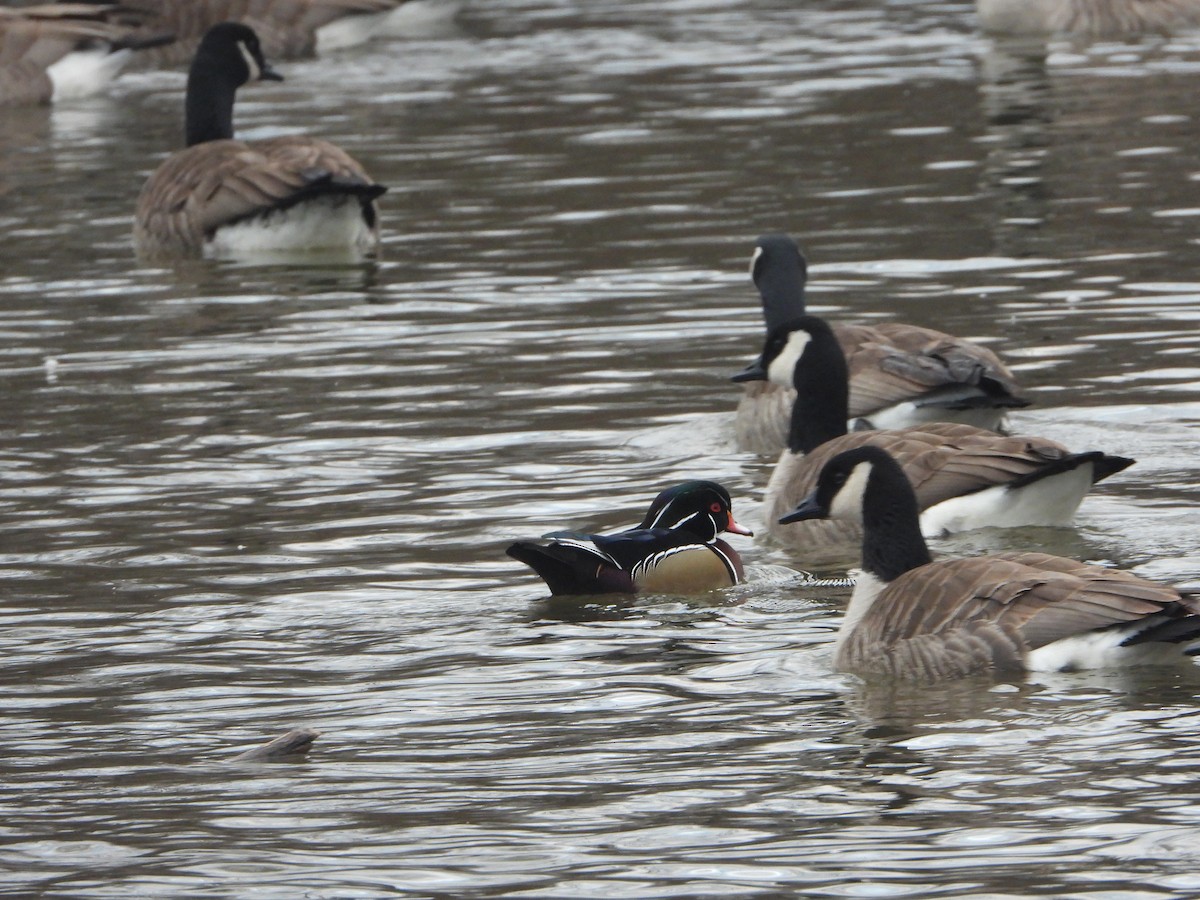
(1091, 18)
(225, 197)
(911, 617)
(677, 549)
(964, 477)
(56, 51)
(900, 374)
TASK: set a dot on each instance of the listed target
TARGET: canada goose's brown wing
(32, 40)
(944, 459)
(205, 187)
(286, 28)
(941, 459)
(763, 417)
(950, 618)
(893, 363)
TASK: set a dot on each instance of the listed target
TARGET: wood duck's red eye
(716, 507)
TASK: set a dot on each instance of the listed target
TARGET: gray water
(237, 499)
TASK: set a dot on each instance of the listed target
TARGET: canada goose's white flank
(911, 617)
(58, 51)
(224, 197)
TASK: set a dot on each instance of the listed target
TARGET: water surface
(238, 499)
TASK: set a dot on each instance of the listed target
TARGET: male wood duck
(675, 550)
(900, 374)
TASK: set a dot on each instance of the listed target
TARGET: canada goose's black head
(867, 487)
(843, 485)
(703, 508)
(229, 56)
(234, 48)
(804, 353)
(801, 352)
(780, 272)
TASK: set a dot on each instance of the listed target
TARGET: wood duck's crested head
(703, 508)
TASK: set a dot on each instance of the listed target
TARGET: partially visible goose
(965, 477)
(223, 197)
(1093, 18)
(289, 29)
(58, 51)
(677, 549)
(911, 617)
(900, 374)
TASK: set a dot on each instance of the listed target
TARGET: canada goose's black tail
(1102, 464)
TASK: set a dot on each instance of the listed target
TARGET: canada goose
(57, 51)
(223, 197)
(911, 617)
(676, 549)
(288, 29)
(900, 374)
(1093, 18)
(965, 477)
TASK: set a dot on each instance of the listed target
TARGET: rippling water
(237, 499)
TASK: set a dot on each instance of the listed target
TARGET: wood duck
(900, 374)
(676, 549)
(911, 617)
(223, 197)
(964, 477)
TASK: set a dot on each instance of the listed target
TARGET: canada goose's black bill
(809, 508)
(269, 74)
(756, 371)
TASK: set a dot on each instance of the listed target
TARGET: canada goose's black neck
(209, 106)
(892, 540)
(822, 383)
(780, 274)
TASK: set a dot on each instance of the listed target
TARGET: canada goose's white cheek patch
(758, 252)
(251, 63)
(782, 369)
(847, 503)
